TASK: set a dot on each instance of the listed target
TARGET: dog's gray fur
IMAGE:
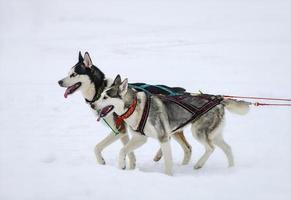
(165, 116)
(94, 81)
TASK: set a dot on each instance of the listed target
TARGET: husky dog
(164, 117)
(91, 81)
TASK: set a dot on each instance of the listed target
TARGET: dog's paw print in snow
(50, 158)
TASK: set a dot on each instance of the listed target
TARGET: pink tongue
(103, 112)
(98, 119)
(67, 92)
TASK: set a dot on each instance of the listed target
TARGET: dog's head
(82, 75)
(115, 98)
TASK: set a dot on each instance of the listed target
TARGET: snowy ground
(221, 47)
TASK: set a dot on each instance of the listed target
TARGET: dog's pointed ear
(87, 60)
(117, 80)
(81, 59)
(123, 87)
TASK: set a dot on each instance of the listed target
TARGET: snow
(220, 47)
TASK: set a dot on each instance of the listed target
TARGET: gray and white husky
(91, 81)
(161, 121)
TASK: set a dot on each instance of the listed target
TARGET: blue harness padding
(158, 89)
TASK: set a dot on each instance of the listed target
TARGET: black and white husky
(162, 118)
(91, 81)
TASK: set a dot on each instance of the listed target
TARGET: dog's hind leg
(109, 139)
(136, 141)
(202, 137)
(180, 138)
(219, 141)
(131, 156)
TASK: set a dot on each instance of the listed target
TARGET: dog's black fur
(95, 74)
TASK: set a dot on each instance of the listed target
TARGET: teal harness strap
(143, 88)
(171, 93)
(115, 133)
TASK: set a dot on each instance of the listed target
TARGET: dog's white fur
(88, 91)
(137, 139)
(208, 138)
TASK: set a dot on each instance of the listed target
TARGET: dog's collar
(127, 114)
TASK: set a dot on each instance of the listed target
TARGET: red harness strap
(119, 119)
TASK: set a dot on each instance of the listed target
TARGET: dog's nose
(60, 82)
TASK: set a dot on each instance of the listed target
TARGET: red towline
(260, 98)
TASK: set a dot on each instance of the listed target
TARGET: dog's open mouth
(104, 111)
(72, 89)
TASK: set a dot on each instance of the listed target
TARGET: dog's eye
(73, 75)
(105, 97)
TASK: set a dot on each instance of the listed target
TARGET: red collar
(130, 110)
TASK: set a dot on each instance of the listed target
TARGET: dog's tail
(236, 106)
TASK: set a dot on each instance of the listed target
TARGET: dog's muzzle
(61, 82)
(104, 111)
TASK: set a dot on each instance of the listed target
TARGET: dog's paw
(187, 157)
(185, 161)
(122, 159)
(122, 166)
(157, 158)
(197, 166)
(122, 163)
(132, 165)
(132, 161)
(231, 165)
(98, 155)
(169, 173)
(101, 161)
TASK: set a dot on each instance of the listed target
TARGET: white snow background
(216, 46)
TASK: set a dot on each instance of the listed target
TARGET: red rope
(262, 98)
(270, 104)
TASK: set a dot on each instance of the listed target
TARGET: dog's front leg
(167, 153)
(136, 141)
(131, 156)
(109, 139)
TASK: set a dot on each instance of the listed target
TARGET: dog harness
(197, 105)
(157, 89)
(149, 91)
(145, 115)
(120, 119)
